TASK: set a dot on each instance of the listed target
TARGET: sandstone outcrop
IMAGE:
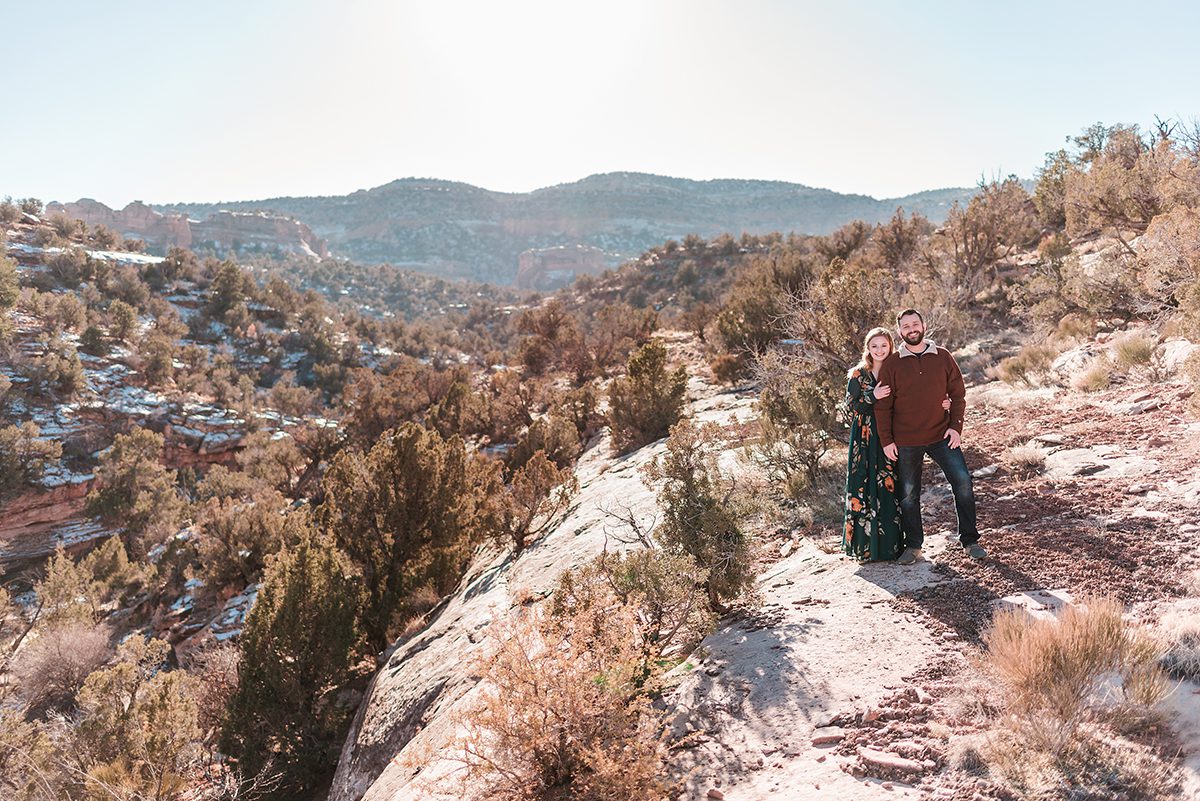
(550, 268)
(225, 232)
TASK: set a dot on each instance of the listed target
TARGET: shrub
(407, 513)
(67, 227)
(755, 314)
(555, 437)
(1182, 637)
(216, 669)
(67, 593)
(797, 412)
(123, 319)
(997, 221)
(1097, 377)
(274, 461)
(537, 493)
(137, 735)
(30, 760)
(1133, 351)
(667, 590)
(727, 368)
(300, 640)
(1024, 460)
(1053, 678)
(1033, 361)
(115, 576)
(234, 537)
(24, 457)
(10, 284)
(51, 668)
(136, 492)
(157, 355)
(700, 518)
(644, 404)
(560, 716)
(92, 341)
(69, 267)
(59, 369)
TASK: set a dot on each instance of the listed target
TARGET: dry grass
(1181, 632)
(1095, 378)
(1075, 327)
(1024, 460)
(1030, 364)
(1134, 350)
(1068, 690)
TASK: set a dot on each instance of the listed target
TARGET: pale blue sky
(224, 100)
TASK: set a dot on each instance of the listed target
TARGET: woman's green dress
(871, 530)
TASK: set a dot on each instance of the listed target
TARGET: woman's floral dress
(871, 530)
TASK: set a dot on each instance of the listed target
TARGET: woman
(872, 522)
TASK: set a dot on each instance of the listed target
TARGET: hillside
(459, 230)
(419, 538)
(847, 681)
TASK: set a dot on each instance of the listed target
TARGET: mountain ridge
(459, 230)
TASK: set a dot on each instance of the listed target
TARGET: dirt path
(877, 648)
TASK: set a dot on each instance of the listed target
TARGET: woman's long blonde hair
(865, 362)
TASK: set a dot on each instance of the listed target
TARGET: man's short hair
(907, 312)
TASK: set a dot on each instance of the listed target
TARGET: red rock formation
(39, 510)
(223, 231)
(547, 268)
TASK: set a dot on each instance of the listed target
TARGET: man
(912, 424)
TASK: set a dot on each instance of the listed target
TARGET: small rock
(821, 758)
(715, 670)
(923, 697)
(888, 786)
(883, 759)
(985, 472)
(949, 635)
(1049, 439)
(871, 714)
(715, 793)
(786, 549)
(828, 735)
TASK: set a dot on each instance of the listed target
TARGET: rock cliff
(225, 232)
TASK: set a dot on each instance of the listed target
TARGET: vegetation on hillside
(392, 429)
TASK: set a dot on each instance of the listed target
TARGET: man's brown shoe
(909, 556)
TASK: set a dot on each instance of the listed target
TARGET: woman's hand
(946, 404)
(882, 391)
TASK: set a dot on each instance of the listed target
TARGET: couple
(903, 405)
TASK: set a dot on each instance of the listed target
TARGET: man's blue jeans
(908, 469)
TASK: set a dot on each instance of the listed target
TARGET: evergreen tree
(136, 492)
(300, 640)
(407, 513)
(648, 400)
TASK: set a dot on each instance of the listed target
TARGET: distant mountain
(459, 230)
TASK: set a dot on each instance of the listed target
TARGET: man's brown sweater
(913, 414)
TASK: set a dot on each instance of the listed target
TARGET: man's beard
(914, 338)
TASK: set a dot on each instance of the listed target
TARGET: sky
(221, 100)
